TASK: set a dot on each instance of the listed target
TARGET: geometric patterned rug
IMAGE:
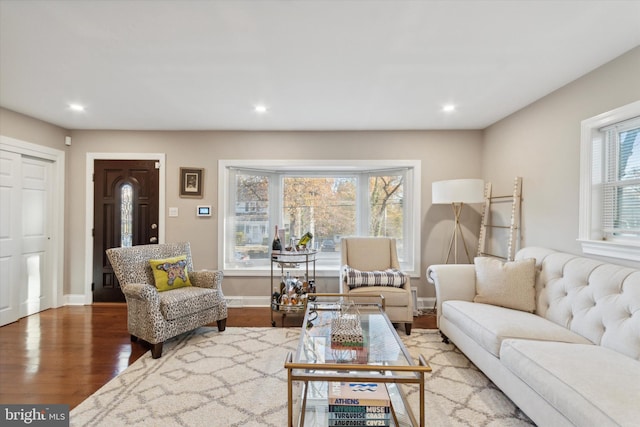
(456, 392)
(237, 378)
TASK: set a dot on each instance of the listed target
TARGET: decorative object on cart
(293, 247)
(191, 182)
(457, 192)
(293, 293)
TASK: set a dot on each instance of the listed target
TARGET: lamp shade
(458, 191)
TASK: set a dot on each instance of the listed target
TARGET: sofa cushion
(489, 325)
(507, 284)
(589, 384)
(393, 297)
(187, 301)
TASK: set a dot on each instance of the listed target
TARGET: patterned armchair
(154, 316)
(372, 259)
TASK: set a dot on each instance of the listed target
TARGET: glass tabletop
(381, 346)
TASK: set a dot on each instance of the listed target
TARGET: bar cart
(287, 262)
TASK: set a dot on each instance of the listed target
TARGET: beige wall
(28, 129)
(25, 128)
(541, 143)
(443, 154)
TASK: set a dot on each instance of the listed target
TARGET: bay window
(330, 199)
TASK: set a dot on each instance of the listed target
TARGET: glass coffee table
(382, 359)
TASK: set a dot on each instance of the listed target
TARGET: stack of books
(359, 404)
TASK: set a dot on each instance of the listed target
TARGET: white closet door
(25, 199)
(36, 289)
(10, 236)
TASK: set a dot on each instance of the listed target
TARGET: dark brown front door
(125, 214)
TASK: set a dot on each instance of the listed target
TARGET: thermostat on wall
(203, 210)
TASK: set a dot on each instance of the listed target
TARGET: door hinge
(93, 232)
(93, 286)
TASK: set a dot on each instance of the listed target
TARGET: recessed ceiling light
(449, 108)
(260, 108)
(76, 107)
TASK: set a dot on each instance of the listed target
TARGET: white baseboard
(248, 301)
(75, 299)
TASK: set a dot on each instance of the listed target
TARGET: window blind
(619, 157)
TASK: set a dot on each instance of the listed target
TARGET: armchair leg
(156, 350)
(222, 324)
(407, 328)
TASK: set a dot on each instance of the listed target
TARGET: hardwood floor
(64, 355)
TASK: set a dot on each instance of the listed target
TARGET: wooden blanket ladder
(495, 232)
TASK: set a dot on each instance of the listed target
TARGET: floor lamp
(457, 192)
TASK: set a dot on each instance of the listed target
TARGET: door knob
(153, 240)
(154, 226)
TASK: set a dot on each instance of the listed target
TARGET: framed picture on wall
(191, 182)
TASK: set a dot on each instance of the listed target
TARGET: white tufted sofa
(575, 361)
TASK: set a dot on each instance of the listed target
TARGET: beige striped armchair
(371, 256)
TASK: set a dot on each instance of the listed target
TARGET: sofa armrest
(211, 279)
(452, 282)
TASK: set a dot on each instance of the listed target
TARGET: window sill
(329, 272)
(619, 250)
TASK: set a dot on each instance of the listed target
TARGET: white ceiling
(317, 65)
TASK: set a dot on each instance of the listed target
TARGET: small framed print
(191, 182)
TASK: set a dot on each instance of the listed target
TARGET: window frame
(590, 228)
(411, 229)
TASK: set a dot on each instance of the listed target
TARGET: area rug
(237, 378)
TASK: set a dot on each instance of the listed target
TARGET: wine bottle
(283, 285)
(288, 283)
(312, 289)
(276, 245)
(305, 239)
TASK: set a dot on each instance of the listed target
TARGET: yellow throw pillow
(507, 284)
(170, 273)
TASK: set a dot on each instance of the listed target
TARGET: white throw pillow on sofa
(507, 284)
